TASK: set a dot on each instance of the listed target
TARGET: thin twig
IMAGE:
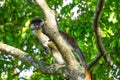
(97, 31)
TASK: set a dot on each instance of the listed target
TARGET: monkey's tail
(88, 75)
(82, 60)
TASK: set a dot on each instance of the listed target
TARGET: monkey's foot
(56, 66)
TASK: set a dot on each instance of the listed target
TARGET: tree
(14, 31)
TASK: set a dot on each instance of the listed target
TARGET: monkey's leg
(56, 54)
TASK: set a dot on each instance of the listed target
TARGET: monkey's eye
(37, 25)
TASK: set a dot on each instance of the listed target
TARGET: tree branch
(94, 61)
(97, 31)
(51, 30)
(55, 69)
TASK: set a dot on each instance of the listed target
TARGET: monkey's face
(36, 25)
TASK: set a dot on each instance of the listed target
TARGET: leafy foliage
(15, 16)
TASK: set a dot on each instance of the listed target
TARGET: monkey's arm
(43, 40)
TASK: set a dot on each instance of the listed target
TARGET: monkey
(49, 46)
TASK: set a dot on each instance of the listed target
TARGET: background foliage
(74, 18)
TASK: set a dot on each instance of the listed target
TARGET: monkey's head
(36, 25)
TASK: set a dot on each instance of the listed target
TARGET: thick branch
(51, 30)
(97, 32)
(25, 57)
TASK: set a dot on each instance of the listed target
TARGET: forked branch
(97, 31)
